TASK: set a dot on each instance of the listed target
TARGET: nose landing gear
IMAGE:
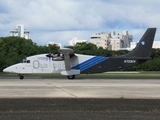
(21, 77)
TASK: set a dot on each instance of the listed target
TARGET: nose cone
(5, 70)
(11, 69)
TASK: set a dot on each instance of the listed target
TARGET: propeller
(57, 54)
(49, 55)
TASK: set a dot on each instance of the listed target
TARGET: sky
(60, 20)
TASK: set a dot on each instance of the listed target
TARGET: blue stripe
(89, 63)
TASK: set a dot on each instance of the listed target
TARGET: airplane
(70, 64)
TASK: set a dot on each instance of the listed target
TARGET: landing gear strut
(71, 77)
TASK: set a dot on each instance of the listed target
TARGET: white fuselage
(42, 64)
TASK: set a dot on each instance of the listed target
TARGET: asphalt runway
(80, 88)
(79, 99)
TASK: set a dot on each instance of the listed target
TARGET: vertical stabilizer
(144, 47)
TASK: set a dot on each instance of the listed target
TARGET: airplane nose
(5, 70)
(10, 69)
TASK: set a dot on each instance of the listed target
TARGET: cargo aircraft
(70, 64)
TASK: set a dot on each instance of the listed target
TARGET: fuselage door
(41, 64)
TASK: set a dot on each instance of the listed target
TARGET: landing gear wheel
(71, 77)
(21, 77)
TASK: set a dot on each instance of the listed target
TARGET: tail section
(144, 47)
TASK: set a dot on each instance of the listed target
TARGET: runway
(79, 99)
(80, 88)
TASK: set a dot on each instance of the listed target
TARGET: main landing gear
(71, 77)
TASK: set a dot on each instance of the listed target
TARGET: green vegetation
(122, 97)
(92, 49)
(14, 49)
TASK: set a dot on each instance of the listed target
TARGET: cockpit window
(28, 61)
(25, 61)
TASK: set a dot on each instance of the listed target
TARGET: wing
(68, 53)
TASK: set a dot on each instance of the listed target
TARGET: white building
(111, 40)
(100, 39)
(20, 31)
(51, 43)
(156, 44)
(133, 45)
(115, 44)
(75, 40)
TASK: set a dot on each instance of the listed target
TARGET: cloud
(60, 20)
(60, 36)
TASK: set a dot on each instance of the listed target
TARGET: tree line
(14, 49)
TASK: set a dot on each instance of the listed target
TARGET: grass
(100, 75)
(125, 75)
(122, 97)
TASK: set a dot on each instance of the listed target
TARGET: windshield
(25, 61)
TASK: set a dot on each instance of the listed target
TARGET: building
(156, 44)
(75, 40)
(133, 45)
(100, 39)
(111, 40)
(115, 44)
(20, 31)
(51, 43)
